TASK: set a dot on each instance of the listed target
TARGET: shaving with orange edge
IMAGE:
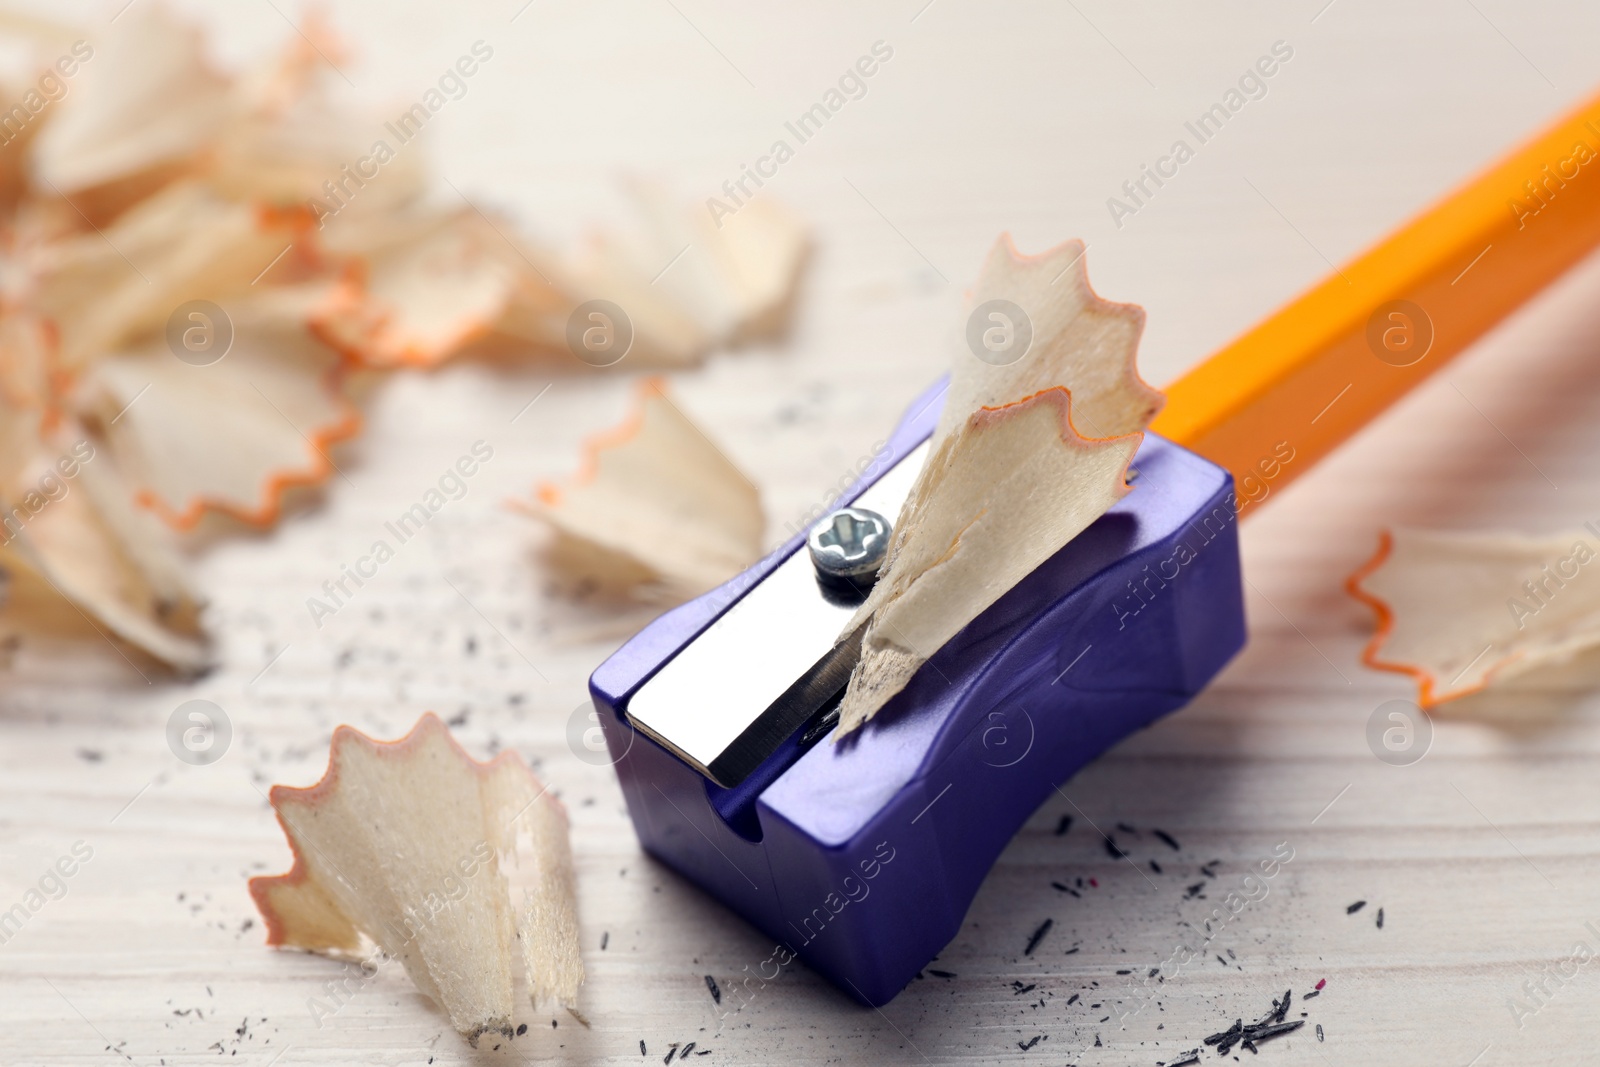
(658, 512)
(1460, 611)
(410, 849)
(1033, 445)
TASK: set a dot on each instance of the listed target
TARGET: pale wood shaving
(404, 845)
(659, 512)
(1460, 611)
(1026, 455)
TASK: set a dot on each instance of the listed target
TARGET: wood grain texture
(1026, 118)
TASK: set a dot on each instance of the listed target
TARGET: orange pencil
(1325, 364)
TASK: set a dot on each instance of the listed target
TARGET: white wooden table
(1482, 857)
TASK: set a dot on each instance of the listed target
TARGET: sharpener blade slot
(814, 693)
(769, 666)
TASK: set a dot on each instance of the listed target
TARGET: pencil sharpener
(860, 857)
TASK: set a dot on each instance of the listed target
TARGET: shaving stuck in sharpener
(861, 857)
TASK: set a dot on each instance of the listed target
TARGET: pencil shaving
(68, 521)
(230, 436)
(658, 513)
(690, 285)
(420, 289)
(1079, 341)
(143, 110)
(406, 846)
(1011, 475)
(1460, 612)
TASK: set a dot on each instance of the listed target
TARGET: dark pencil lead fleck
(1217, 1038)
(642, 1052)
(1313, 993)
(1264, 1032)
(1154, 866)
(941, 974)
(1030, 1044)
(1125, 828)
(1074, 999)
(1319, 1031)
(1221, 960)
(1112, 850)
(1063, 826)
(1246, 1036)
(1357, 906)
(1380, 918)
(1171, 841)
(1038, 936)
(711, 984)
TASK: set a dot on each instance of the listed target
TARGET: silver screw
(848, 546)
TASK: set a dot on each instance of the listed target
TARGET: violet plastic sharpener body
(861, 858)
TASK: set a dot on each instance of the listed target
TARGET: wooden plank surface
(1482, 856)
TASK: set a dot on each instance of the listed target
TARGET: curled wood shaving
(1012, 475)
(405, 847)
(1459, 611)
(658, 511)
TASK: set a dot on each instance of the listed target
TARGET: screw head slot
(848, 547)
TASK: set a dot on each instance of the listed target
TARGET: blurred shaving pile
(196, 264)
